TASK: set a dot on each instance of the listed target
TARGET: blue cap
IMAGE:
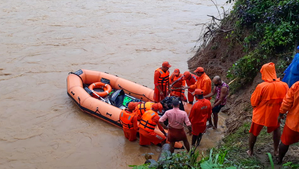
(298, 47)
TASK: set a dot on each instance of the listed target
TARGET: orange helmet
(157, 107)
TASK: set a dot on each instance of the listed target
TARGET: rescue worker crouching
(142, 107)
(147, 125)
(128, 119)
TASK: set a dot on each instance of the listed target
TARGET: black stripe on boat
(94, 113)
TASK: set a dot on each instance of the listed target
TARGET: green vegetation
(268, 30)
(230, 154)
(183, 160)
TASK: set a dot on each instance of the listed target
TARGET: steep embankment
(255, 32)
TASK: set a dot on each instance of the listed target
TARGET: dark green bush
(273, 27)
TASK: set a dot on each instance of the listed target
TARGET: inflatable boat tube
(108, 107)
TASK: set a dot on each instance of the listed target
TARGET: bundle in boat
(104, 95)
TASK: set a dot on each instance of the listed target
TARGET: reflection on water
(41, 41)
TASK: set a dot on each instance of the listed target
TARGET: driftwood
(211, 29)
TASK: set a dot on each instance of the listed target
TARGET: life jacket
(143, 107)
(126, 119)
(146, 122)
(163, 81)
(179, 80)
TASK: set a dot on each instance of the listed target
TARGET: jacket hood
(268, 72)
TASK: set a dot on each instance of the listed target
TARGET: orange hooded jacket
(291, 103)
(204, 83)
(267, 97)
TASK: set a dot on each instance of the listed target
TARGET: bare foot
(276, 154)
(210, 126)
(214, 127)
(249, 153)
(278, 161)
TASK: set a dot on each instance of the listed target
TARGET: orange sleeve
(156, 78)
(171, 79)
(183, 82)
(287, 102)
(256, 96)
(193, 86)
(206, 87)
(156, 120)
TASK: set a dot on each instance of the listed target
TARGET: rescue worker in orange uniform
(147, 125)
(203, 82)
(199, 114)
(290, 134)
(177, 84)
(129, 121)
(161, 81)
(266, 101)
(190, 80)
(141, 108)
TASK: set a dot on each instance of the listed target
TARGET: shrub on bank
(272, 32)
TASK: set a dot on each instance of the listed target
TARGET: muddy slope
(216, 58)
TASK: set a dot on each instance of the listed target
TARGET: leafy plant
(216, 162)
(272, 28)
(290, 165)
(271, 160)
(189, 160)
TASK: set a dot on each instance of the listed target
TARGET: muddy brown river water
(42, 40)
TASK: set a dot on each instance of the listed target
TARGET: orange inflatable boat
(104, 95)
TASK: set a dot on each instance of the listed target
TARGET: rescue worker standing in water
(199, 114)
(266, 101)
(161, 81)
(176, 120)
(190, 80)
(128, 120)
(177, 84)
(147, 125)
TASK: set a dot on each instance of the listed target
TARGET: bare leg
(194, 138)
(210, 122)
(276, 138)
(283, 149)
(172, 147)
(199, 139)
(215, 120)
(252, 140)
(186, 143)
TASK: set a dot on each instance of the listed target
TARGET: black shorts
(216, 109)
